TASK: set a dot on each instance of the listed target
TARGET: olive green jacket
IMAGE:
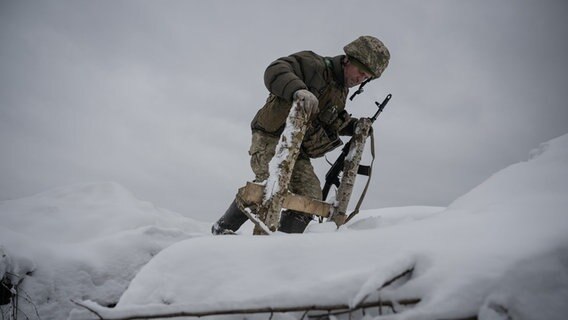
(323, 76)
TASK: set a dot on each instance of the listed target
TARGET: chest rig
(322, 134)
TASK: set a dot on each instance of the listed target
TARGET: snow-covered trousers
(303, 181)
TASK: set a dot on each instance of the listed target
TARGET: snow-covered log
(350, 171)
(281, 167)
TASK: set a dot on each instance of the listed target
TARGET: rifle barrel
(381, 107)
(332, 176)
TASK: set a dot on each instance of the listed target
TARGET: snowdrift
(498, 252)
(84, 241)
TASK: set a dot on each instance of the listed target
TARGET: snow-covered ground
(498, 252)
(85, 242)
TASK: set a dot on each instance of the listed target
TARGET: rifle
(332, 176)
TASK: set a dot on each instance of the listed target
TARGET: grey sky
(158, 95)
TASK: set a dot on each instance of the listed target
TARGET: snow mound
(534, 289)
(382, 218)
(84, 241)
(453, 259)
(93, 210)
(534, 182)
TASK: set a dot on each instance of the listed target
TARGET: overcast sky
(158, 95)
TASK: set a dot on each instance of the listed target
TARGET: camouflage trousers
(303, 181)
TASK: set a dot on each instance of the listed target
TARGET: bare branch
(80, 304)
(402, 275)
(387, 283)
(344, 308)
(366, 305)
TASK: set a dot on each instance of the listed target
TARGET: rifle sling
(370, 167)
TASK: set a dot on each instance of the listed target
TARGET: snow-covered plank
(350, 171)
(281, 167)
(253, 193)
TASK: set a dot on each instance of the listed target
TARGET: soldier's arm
(285, 76)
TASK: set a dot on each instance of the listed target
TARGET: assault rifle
(332, 176)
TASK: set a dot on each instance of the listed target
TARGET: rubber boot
(230, 222)
(293, 222)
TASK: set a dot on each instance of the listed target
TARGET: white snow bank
(84, 241)
(534, 289)
(386, 217)
(86, 211)
(463, 258)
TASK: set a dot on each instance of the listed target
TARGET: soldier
(322, 83)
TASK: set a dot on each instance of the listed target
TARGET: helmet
(370, 52)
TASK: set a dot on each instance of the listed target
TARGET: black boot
(230, 222)
(293, 222)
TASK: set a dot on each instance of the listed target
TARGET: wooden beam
(253, 193)
(350, 168)
(281, 166)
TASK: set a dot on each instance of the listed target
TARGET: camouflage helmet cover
(370, 52)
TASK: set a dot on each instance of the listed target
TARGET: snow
(499, 252)
(82, 241)
(272, 185)
(535, 289)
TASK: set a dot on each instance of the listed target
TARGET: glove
(307, 101)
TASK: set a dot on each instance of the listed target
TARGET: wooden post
(281, 166)
(350, 168)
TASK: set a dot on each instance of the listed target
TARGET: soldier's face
(353, 76)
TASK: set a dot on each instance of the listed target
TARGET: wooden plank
(253, 193)
(350, 168)
(307, 205)
(281, 166)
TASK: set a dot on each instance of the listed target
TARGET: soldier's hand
(308, 101)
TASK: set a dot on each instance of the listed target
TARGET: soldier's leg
(262, 150)
(304, 182)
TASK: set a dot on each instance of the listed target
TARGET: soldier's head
(367, 57)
